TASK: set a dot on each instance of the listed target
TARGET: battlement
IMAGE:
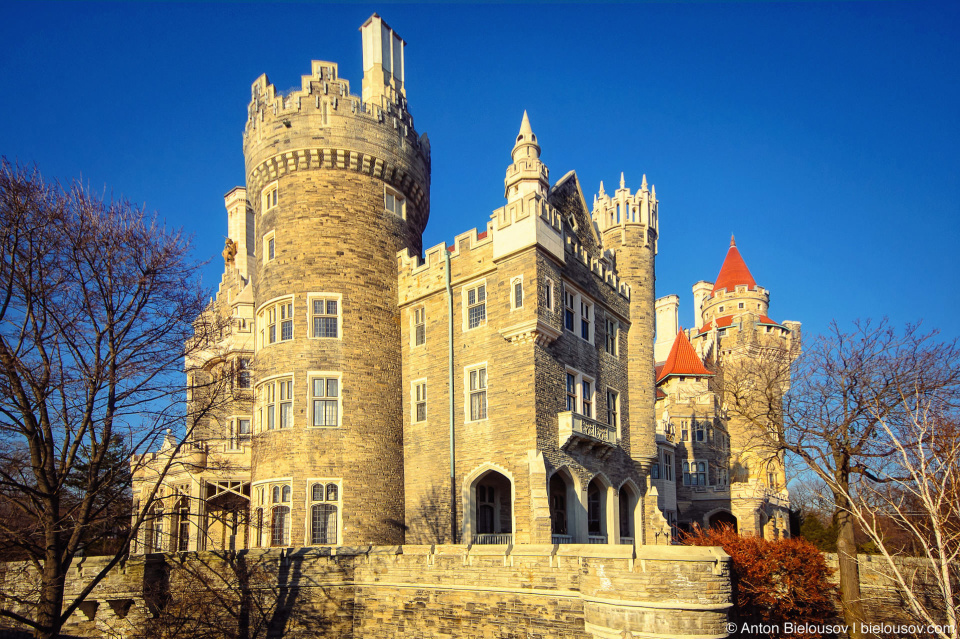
(328, 95)
(599, 266)
(626, 207)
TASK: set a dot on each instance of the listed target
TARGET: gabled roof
(682, 360)
(734, 272)
(722, 322)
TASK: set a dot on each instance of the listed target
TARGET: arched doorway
(491, 509)
(597, 511)
(562, 508)
(722, 519)
(628, 498)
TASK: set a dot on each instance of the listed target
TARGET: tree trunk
(51, 599)
(850, 601)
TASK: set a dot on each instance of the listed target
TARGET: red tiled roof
(722, 322)
(766, 320)
(480, 236)
(682, 360)
(734, 272)
(660, 394)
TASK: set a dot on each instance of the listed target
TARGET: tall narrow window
(272, 324)
(568, 306)
(242, 372)
(281, 526)
(270, 405)
(476, 306)
(613, 333)
(269, 246)
(326, 401)
(668, 466)
(613, 413)
(518, 293)
(548, 294)
(394, 202)
(420, 401)
(587, 398)
(571, 392)
(326, 318)
(586, 315)
(419, 327)
(478, 394)
(243, 430)
(286, 403)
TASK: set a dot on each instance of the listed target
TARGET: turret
(527, 174)
(338, 185)
(628, 226)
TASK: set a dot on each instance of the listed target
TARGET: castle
(520, 386)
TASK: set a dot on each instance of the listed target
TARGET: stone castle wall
(567, 591)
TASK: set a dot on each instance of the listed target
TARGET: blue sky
(826, 136)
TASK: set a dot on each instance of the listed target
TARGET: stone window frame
(514, 283)
(276, 313)
(418, 398)
(466, 306)
(549, 294)
(311, 315)
(399, 202)
(270, 386)
(269, 240)
(584, 312)
(270, 196)
(617, 408)
(324, 483)
(418, 321)
(700, 471)
(667, 458)
(611, 342)
(468, 393)
(325, 375)
(264, 490)
(580, 401)
(235, 439)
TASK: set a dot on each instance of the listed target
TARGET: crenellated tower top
(625, 208)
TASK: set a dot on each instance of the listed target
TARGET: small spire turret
(527, 173)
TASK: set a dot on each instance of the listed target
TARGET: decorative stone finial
(643, 185)
(622, 183)
(602, 192)
(733, 242)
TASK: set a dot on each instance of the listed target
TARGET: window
(477, 392)
(394, 203)
(419, 326)
(684, 431)
(740, 305)
(655, 471)
(586, 317)
(239, 432)
(698, 430)
(267, 322)
(258, 527)
(568, 305)
(772, 480)
(516, 295)
(281, 526)
(242, 370)
(325, 404)
(269, 246)
(420, 401)
(325, 317)
(668, 466)
(270, 197)
(286, 403)
(548, 294)
(268, 415)
(695, 473)
(613, 409)
(613, 335)
(580, 390)
(325, 505)
(476, 306)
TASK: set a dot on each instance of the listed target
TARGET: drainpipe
(453, 447)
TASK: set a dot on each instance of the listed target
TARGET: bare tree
(96, 304)
(847, 393)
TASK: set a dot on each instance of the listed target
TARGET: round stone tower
(628, 227)
(339, 183)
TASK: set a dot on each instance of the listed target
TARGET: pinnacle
(525, 129)
(643, 185)
(733, 242)
(602, 192)
(622, 183)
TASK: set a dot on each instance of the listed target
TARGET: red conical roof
(734, 272)
(682, 360)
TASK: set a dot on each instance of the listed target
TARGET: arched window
(323, 514)
(285, 496)
(486, 499)
(156, 544)
(276, 494)
(281, 526)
